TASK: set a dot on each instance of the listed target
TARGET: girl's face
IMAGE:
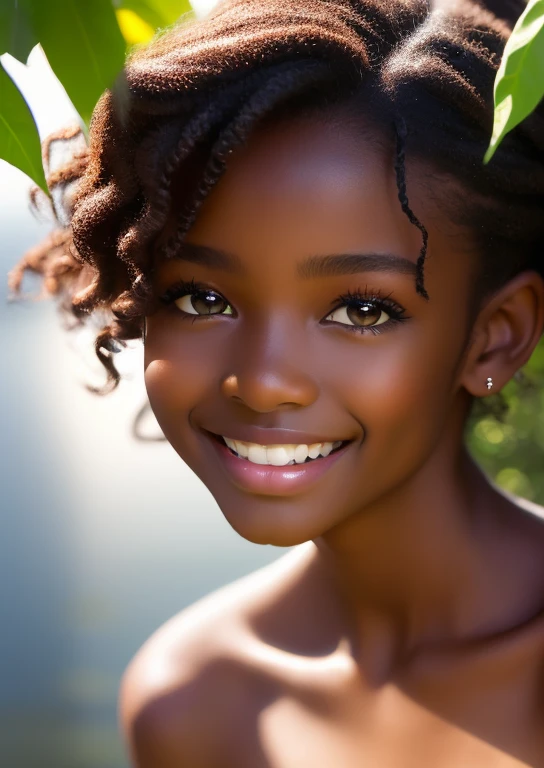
(293, 320)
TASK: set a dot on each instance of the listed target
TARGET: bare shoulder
(198, 676)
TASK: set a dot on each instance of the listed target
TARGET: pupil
(364, 314)
(208, 303)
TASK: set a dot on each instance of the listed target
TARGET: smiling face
(293, 320)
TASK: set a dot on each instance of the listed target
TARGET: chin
(274, 522)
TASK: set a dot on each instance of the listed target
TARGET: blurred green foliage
(510, 447)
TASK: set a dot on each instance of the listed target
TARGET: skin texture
(407, 629)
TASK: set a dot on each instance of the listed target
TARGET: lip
(263, 436)
(266, 480)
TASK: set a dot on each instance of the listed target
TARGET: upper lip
(265, 436)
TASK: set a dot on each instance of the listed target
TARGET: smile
(280, 455)
(276, 469)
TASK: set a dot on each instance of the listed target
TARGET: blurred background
(103, 538)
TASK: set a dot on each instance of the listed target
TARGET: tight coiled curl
(422, 71)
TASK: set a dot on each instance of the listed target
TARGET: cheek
(179, 372)
(400, 393)
(400, 387)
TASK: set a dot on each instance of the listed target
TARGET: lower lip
(274, 481)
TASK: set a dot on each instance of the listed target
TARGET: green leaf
(83, 44)
(171, 9)
(519, 86)
(157, 13)
(16, 34)
(19, 141)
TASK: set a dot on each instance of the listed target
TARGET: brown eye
(204, 303)
(362, 314)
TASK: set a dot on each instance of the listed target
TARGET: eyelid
(397, 314)
(368, 297)
(184, 287)
(175, 291)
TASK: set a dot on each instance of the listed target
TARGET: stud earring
(489, 382)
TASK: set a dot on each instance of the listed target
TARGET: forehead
(304, 187)
(312, 183)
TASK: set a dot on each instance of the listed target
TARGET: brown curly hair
(193, 95)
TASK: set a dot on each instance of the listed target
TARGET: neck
(420, 567)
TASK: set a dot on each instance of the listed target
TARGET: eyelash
(354, 299)
(349, 299)
(182, 288)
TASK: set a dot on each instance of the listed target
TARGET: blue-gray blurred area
(102, 538)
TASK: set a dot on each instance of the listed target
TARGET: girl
(287, 201)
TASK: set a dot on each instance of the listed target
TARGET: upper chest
(318, 715)
(395, 732)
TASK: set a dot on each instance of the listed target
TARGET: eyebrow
(208, 257)
(312, 267)
(351, 264)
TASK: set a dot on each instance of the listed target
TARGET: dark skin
(407, 629)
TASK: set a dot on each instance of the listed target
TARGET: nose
(270, 371)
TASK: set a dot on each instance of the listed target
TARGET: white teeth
(301, 454)
(257, 454)
(280, 455)
(314, 450)
(241, 448)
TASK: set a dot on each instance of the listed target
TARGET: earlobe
(506, 332)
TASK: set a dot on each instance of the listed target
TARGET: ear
(506, 331)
